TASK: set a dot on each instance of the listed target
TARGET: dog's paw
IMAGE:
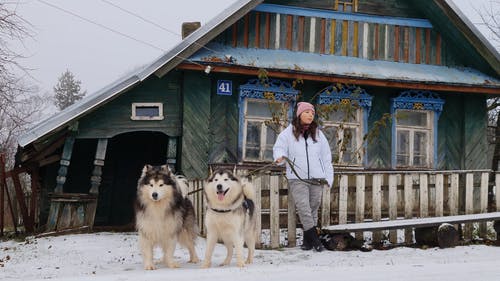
(172, 264)
(249, 261)
(240, 264)
(205, 265)
(149, 266)
(194, 260)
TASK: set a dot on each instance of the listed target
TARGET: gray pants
(307, 199)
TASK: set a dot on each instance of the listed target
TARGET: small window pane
(259, 109)
(349, 155)
(252, 148)
(403, 149)
(411, 118)
(147, 111)
(343, 115)
(420, 146)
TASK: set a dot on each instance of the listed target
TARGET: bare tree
(19, 103)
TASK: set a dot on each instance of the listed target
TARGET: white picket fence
(359, 196)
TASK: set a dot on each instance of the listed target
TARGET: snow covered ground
(115, 256)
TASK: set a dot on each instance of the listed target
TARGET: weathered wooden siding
(475, 132)
(114, 118)
(379, 7)
(450, 142)
(362, 36)
(195, 125)
(379, 148)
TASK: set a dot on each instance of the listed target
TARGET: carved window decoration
(346, 5)
(414, 129)
(260, 103)
(345, 122)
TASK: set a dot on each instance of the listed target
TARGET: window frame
(135, 105)
(270, 90)
(349, 94)
(416, 100)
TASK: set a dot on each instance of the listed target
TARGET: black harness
(247, 205)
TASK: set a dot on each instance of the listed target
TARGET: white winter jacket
(311, 160)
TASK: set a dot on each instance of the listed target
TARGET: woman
(308, 151)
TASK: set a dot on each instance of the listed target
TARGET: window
(414, 136)
(259, 102)
(147, 111)
(346, 5)
(347, 109)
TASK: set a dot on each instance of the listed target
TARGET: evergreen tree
(67, 91)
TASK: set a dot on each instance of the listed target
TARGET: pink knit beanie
(303, 106)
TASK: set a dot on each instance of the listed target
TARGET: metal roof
(344, 66)
(160, 66)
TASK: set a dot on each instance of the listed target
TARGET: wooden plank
(438, 49)
(343, 195)
(377, 205)
(257, 30)
(235, 35)
(393, 206)
(453, 194)
(408, 196)
(246, 23)
(289, 32)
(360, 202)
(376, 41)
(406, 44)
(396, 43)
(345, 34)
(366, 35)
(258, 203)
(427, 46)
(325, 205)
(410, 223)
(292, 221)
(439, 195)
(274, 185)
(332, 37)
(300, 34)
(322, 38)
(355, 39)
(267, 34)
(21, 201)
(312, 36)
(483, 203)
(418, 43)
(469, 203)
(497, 191)
(277, 32)
(424, 196)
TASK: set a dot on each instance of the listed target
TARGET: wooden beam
(347, 80)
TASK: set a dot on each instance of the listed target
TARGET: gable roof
(194, 42)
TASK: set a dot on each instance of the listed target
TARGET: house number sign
(224, 87)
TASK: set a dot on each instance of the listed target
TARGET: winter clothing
(311, 160)
(307, 199)
(303, 106)
(312, 238)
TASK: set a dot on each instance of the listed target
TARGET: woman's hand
(279, 160)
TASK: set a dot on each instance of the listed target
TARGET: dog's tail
(183, 184)
(248, 189)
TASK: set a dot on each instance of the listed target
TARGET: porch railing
(358, 196)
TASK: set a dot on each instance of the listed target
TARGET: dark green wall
(114, 117)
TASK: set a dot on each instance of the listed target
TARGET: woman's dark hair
(297, 128)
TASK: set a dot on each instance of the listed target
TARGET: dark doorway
(126, 156)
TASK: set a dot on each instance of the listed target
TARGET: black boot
(306, 243)
(312, 236)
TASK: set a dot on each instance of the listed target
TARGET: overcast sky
(64, 37)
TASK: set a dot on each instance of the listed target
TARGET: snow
(115, 256)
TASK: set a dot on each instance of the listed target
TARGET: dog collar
(221, 211)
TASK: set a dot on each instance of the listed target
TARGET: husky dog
(230, 216)
(164, 215)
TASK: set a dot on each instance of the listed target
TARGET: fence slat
(483, 202)
(343, 193)
(258, 203)
(424, 196)
(408, 195)
(292, 221)
(393, 206)
(453, 195)
(360, 202)
(274, 217)
(469, 203)
(439, 195)
(377, 205)
(325, 206)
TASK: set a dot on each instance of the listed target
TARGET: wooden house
(204, 103)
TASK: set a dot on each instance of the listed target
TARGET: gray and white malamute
(163, 215)
(230, 216)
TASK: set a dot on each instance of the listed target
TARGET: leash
(308, 181)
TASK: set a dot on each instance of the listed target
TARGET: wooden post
(360, 203)
(453, 193)
(483, 203)
(393, 206)
(274, 211)
(343, 195)
(64, 164)
(292, 221)
(424, 196)
(408, 195)
(258, 204)
(377, 205)
(27, 219)
(95, 181)
(325, 205)
(439, 195)
(469, 203)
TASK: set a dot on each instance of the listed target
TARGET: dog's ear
(165, 169)
(146, 168)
